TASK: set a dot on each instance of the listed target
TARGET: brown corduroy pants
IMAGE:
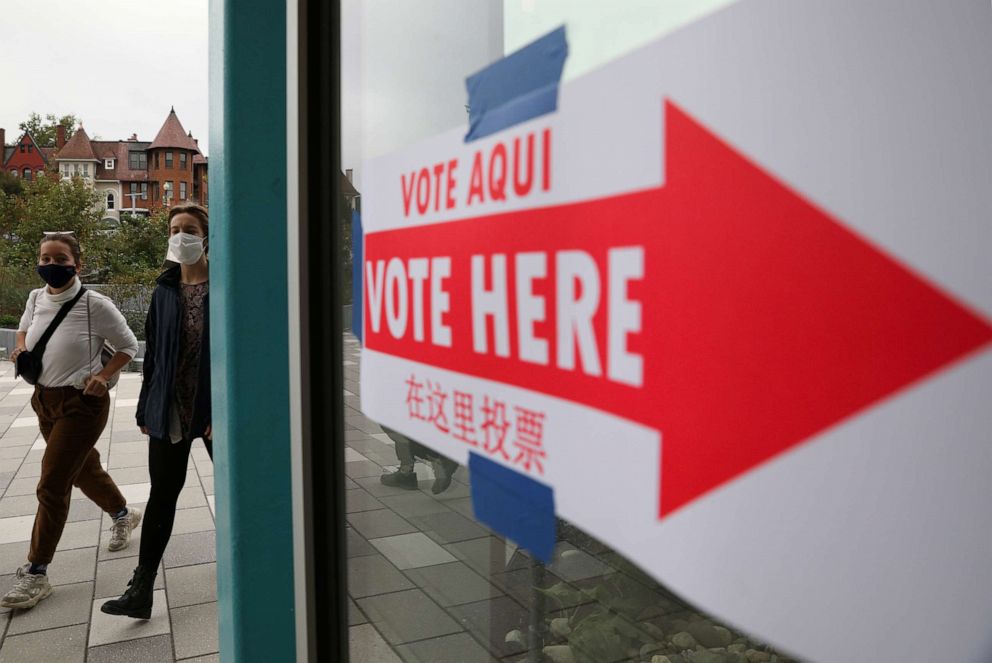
(71, 424)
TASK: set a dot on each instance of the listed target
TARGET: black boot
(137, 600)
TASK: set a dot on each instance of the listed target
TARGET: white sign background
(871, 541)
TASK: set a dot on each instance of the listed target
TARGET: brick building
(25, 158)
(130, 175)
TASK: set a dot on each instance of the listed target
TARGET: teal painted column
(248, 342)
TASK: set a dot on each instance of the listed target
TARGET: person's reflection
(407, 452)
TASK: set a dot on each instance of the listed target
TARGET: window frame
(169, 160)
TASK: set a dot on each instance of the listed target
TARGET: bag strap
(39, 347)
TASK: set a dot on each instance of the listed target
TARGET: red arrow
(765, 320)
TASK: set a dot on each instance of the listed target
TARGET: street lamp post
(167, 187)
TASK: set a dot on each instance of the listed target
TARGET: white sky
(118, 65)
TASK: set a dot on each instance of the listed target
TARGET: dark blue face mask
(56, 275)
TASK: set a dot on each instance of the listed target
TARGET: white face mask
(185, 248)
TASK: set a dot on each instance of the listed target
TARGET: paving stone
(190, 585)
(356, 500)
(16, 528)
(377, 524)
(187, 549)
(131, 551)
(355, 614)
(61, 645)
(365, 645)
(14, 452)
(67, 605)
(123, 476)
(106, 629)
(491, 620)
(409, 551)
(453, 584)
(374, 486)
(362, 468)
(191, 497)
(83, 509)
(448, 527)
(374, 574)
(157, 649)
(457, 648)
(19, 505)
(82, 534)
(414, 503)
(72, 566)
(139, 459)
(356, 545)
(193, 520)
(29, 470)
(407, 616)
(486, 555)
(136, 447)
(194, 630)
(113, 575)
(208, 484)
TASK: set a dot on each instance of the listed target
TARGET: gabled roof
(348, 189)
(78, 148)
(172, 134)
(118, 150)
(7, 151)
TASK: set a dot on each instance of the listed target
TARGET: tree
(43, 129)
(132, 251)
(10, 185)
(46, 204)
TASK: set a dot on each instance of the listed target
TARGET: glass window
(425, 577)
(144, 190)
(14, 172)
(108, 164)
(182, 191)
(110, 200)
(137, 160)
(86, 170)
(168, 159)
(75, 169)
(156, 161)
(30, 147)
(27, 174)
(182, 160)
(22, 147)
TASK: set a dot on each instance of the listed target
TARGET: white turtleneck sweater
(68, 359)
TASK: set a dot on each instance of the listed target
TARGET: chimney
(196, 141)
(3, 139)
(59, 137)
(133, 138)
(349, 173)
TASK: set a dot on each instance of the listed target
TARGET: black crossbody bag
(28, 365)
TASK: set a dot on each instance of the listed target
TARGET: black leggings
(167, 464)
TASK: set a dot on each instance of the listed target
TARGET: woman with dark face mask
(62, 333)
(174, 405)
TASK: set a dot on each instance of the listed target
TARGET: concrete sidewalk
(68, 626)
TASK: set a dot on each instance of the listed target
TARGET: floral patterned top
(190, 339)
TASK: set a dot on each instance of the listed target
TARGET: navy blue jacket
(162, 337)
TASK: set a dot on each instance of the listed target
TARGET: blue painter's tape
(520, 87)
(514, 505)
(356, 274)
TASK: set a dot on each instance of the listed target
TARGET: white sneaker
(29, 589)
(120, 531)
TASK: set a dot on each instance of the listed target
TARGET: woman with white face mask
(174, 405)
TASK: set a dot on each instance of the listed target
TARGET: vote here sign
(709, 313)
